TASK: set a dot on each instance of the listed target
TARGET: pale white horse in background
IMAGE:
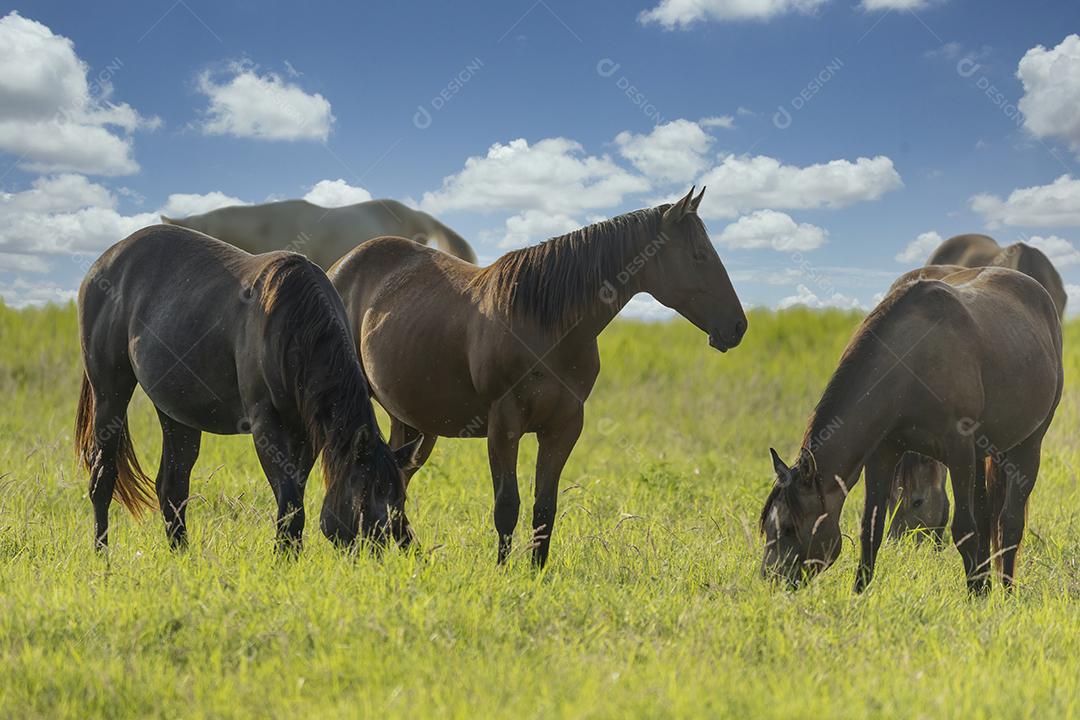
(322, 234)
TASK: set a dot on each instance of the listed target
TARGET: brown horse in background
(454, 350)
(230, 343)
(960, 370)
(975, 250)
(322, 234)
(925, 497)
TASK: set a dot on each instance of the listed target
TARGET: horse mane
(859, 347)
(317, 358)
(554, 282)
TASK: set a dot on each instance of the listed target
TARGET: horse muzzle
(724, 341)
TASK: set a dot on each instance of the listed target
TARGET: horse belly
(195, 388)
(431, 401)
(422, 381)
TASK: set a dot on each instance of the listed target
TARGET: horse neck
(855, 414)
(616, 287)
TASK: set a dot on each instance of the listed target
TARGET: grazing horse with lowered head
(960, 370)
(226, 342)
(454, 350)
(322, 234)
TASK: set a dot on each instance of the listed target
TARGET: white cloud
(919, 249)
(871, 5)
(336, 193)
(1053, 205)
(17, 262)
(533, 225)
(721, 121)
(771, 229)
(554, 175)
(68, 214)
(672, 152)
(180, 205)
(1051, 81)
(1073, 305)
(50, 115)
(21, 293)
(804, 296)
(57, 194)
(684, 13)
(647, 308)
(1061, 252)
(743, 183)
(266, 107)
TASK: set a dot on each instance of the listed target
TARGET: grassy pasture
(651, 605)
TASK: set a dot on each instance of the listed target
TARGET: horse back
(1033, 263)
(1011, 333)
(971, 250)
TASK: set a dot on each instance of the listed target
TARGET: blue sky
(832, 135)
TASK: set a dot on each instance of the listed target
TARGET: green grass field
(651, 605)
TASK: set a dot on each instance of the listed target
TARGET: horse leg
(286, 458)
(179, 451)
(110, 419)
(555, 446)
(970, 524)
(504, 434)
(880, 471)
(1019, 475)
(402, 434)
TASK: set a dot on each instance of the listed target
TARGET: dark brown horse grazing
(959, 370)
(454, 350)
(972, 251)
(226, 342)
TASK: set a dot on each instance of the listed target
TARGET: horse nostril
(740, 328)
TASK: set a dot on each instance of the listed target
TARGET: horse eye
(918, 502)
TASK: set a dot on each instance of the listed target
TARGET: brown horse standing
(230, 343)
(960, 370)
(454, 350)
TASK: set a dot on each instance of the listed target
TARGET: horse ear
(406, 454)
(697, 201)
(676, 212)
(783, 472)
(363, 440)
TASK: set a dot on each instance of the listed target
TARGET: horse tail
(84, 425)
(995, 488)
(453, 244)
(134, 488)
